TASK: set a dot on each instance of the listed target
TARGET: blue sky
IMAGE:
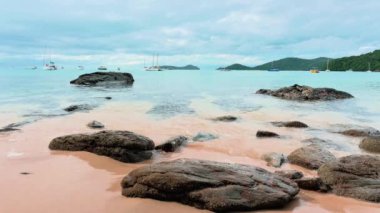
(205, 33)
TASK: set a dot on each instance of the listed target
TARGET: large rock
(266, 134)
(124, 146)
(310, 157)
(172, 144)
(210, 185)
(291, 174)
(312, 183)
(305, 93)
(104, 78)
(371, 144)
(327, 144)
(361, 132)
(356, 176)
(290, 124)
(95, 125)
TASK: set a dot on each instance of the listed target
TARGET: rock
(172, 144)
(291, 174)
(313, 184)
(204, 136)
(25, 173)
(227, 118)
(12, 127)
(218, 187)
(274, 159)
(305, 93)
(364, 132)
(356, 176)
(104, 79)
(310, 157)
(108, 98)
(95, 125)
(371, 144)
(123, 146)
(290, 124)
(266, 134)
(79, 107)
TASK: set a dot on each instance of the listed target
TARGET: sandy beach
(83, 182)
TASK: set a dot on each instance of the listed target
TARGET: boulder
(371, 144)
(95, 125)
(305, 93)
(356, 176)
(362, 132)
(310, 157)
(266, 134)
(123, 146)
(172, 144)
(227, 118)
(204, 136)
(104, 79)
(312, 183)
(291, 174)
(274, 159)
(290, 124)
(218, 187)
(78, 107)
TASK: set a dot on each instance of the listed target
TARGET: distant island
(365, 62)
(187, 67)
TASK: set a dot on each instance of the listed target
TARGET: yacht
(102, 68)
(50, 66)
(155, 66)
(328, 66)
(314, 71)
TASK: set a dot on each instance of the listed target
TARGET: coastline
(85, 182)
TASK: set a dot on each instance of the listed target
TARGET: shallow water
(161, 105)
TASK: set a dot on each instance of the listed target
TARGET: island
(187, 67)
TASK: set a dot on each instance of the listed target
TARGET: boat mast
(369, 66)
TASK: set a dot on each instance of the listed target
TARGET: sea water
(30, 95)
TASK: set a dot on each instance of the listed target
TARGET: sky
(205, 33)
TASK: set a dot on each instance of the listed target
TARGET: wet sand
(84, 182)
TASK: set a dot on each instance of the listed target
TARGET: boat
(273, 69)
(314, 71)
(80, 68)
(102, 68)
(369, 67)
(224, 69)
(154, 67)
(328, 66)
(50, 66)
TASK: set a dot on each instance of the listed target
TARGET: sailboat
(50, 66)
(328, 66)
(272, 69)
(369, 67)
(154, 67)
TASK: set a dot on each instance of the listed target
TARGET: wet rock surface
(266, 134)
(123, 146)
(204, 136)
(173, 144)
(306, 93)
(311, 156)
(361, 132)
(215, 186)
(312, 183)
(78, 108)
(274, 159)
(291, 174)
(104, 79)
(95, 125)
(371, 144)
(226, 118)
(356, 176)
(290, 124)
(329, 144)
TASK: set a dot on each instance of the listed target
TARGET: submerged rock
(95, 125)
(104, 78)
(274, 159)
(326, 144)
(204, 136)
(78, 107)
(361, 132)
(305, 93)
(215, 186)
(266, 134)
(310, 157)
(123, 146)
(172, 144)
(291, 174)
(227, 118)
(356, 176)
(290, 124)
(371, 144)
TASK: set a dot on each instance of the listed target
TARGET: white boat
(369, 67)
(50, 66)
(154, 67)
(102, 68)
(328, 66)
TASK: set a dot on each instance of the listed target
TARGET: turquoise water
(34, 94)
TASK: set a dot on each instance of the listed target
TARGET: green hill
(294, 64)
(236, 67)
(187, 67)
(357, 63)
